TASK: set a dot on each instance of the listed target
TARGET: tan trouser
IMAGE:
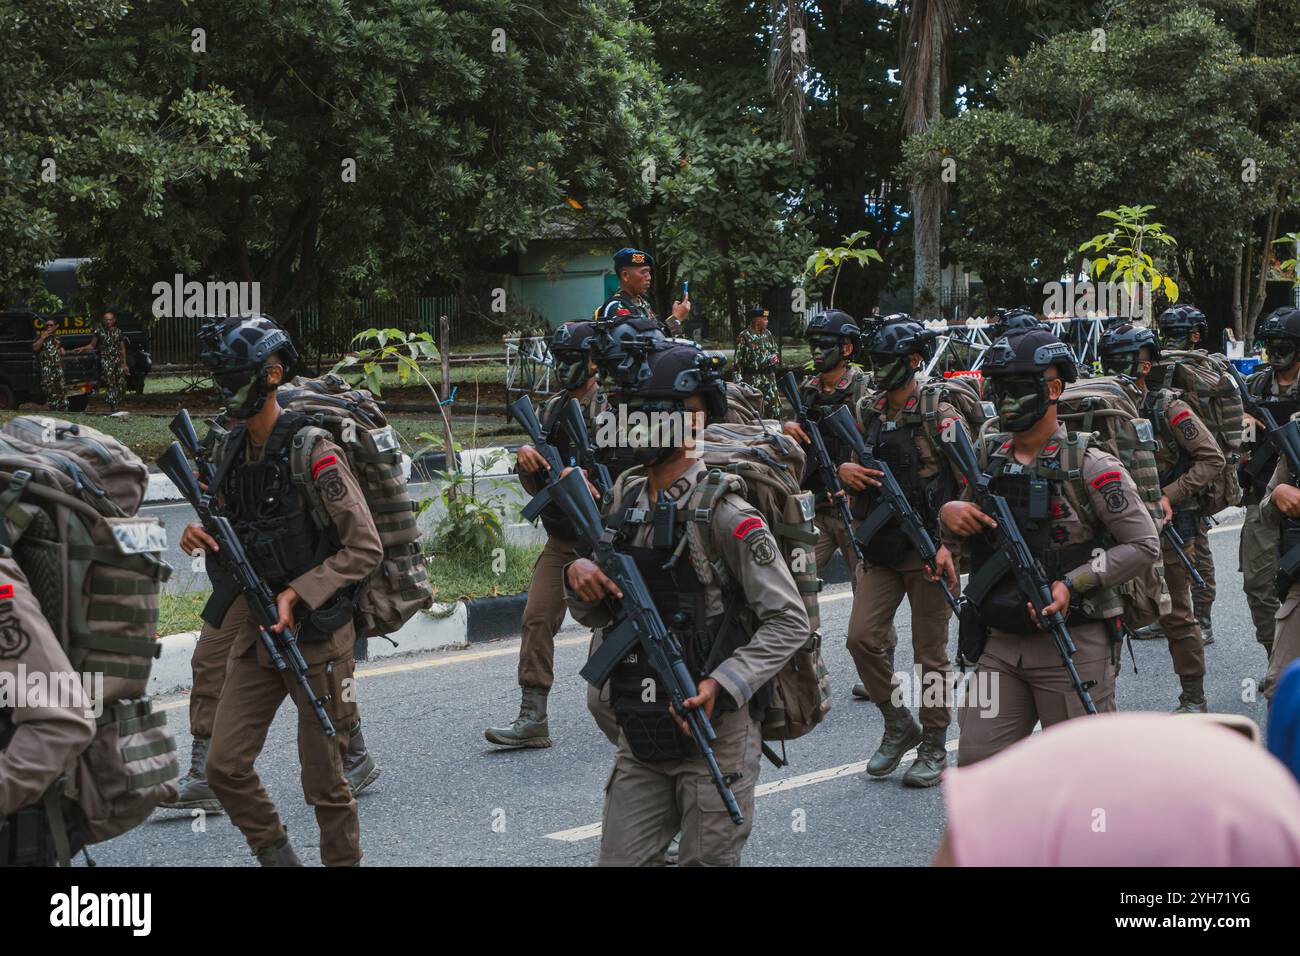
(1257, 559)
(872, 637)
(646, 803)
(1024, 682)
(1286, 640)
(543, 614)
(1201, 555)
(250, 699)
(209, 663)
(1180, 626)
(834, 535)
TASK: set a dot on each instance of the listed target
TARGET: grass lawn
(451, 581)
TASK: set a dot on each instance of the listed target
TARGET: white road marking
(592, 830)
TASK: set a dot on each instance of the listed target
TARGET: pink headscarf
(1125, 790)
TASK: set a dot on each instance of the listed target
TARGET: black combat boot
(931, 760)
(902, 733)
(192, 790)
(530, 728)
(279, 853)
(860, 692)
(1207, 630)
(1192, 699)
(358, 766)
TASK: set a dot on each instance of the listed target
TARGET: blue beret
(632, 257)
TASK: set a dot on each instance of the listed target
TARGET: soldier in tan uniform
(313, 572)
(1280, 510)
(1090, 530)
(835, 340)
(659, 784)
(1189, 460)
(544, 612)
(1278, 385)
(902, 422)
(40, 740)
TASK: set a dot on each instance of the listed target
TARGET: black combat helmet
(1120, 349)
(571, 347)
(236, 349)
(610, 347)
(667, 373)
(1014, 320)
(1015, 365)
(1280, 333)
(1177, 324)
(892, 347)
(827, 333)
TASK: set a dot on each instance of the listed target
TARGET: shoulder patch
(321, 465)
(1106, 478)
(326, 473)
(14, 639)
(747, 526)
(1185, 413)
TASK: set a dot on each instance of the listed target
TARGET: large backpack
(70, 496)
(744, 404)
(762, 466)
(352, 420)
(1209, 388)
(1106, 410)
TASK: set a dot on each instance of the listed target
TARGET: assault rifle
(636, 623)
(522, 411)
(891, 502)
(573, 424)
(1179, 547)
(282, 647)
(1014, 556)
(830, 473)
(1285, 437)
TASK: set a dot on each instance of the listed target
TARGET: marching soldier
(1280, 510)
(311, 570)
(110, 343)
(1278, 384)
(49, 356)
(834, 338)
(633, 268)
(660, 784)
(1186, 328)
(1070, 500)
(756, 359)
(571, 346)
(901, 426)
(1188, 459)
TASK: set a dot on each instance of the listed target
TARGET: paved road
(447, 798)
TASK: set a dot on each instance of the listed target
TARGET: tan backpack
(352, 420)
(764, 467)
(69, 496)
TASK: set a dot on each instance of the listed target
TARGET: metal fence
(323, 332)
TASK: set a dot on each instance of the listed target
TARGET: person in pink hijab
(1124, 790)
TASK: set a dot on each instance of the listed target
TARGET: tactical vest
(1029, 491)
(272, 522)
(1255, 474)
(679, 596)
(1155, 407)
(820, 404)
(894, 443)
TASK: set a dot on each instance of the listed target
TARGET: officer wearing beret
(757, 359)
(633, 268)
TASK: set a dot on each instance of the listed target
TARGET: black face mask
(656, 429)
(1124, 364)
(571, 369)
(243, 392)
(1021, 400)
(891, 371)
(826, 352)
(1281, 354)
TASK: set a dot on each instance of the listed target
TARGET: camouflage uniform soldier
(756, 359)
(1069, 499)
(1278, 384)
(1188, 459)
(49, 355)
(544, 613)
(633, 268)
(110, 343)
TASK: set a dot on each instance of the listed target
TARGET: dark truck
(20, 377)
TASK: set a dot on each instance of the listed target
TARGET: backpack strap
(705, 559)
(301, 448)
